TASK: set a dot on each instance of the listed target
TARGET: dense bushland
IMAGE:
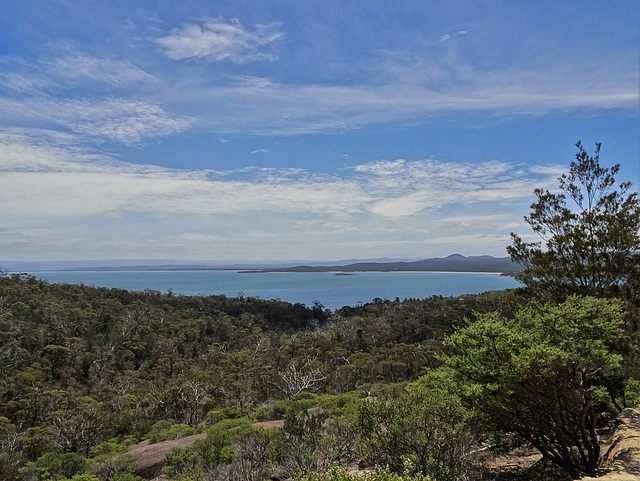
(81, 366)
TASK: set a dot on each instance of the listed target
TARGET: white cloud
(125, 121)
(77, 182)
(411, 90)
(252, 82)
(449, 36)
(260, 234)
(70, 67)
(77, 65)
(43, 85)
(215, 40)
(24, 84)
(120, 120)
(556, 170)
(53, 189)
(294, 109)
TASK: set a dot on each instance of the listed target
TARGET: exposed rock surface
(622, 456)
(150, 457)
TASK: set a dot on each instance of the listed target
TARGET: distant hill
(452, 263)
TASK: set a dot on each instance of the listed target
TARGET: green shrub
(217, 415)
(380, 474)
(82, 477)
(164, 431)
(107, 468)
(55, 467)
(632, 393)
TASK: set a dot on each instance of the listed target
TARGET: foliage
(592, 250)
(379, 474)
(424, 427)
(163, 431)
(192, 462)
(216, 415)
(54, 467)
(82, 477)
(93, 370)
(539, 374)
(250, 461)
(632, 393)
(302, 446)
(115, 467)
(126, 477)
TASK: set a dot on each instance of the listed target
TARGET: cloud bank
(50, 182)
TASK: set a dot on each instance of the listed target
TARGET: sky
(301, 129)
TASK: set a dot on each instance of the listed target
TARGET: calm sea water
(333, 291)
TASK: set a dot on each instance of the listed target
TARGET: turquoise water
(333, 291)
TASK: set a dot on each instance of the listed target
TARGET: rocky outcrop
(621, 461)
(150, 457)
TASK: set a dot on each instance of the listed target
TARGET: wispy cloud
(114, 72)
(69, 67)
(24, 84)
(449, 36)
(41, 97)
(412, 87)
(301, 109)
(49, 179)
(215, 39)
(125, 121)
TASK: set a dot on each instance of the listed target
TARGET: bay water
(330, 289)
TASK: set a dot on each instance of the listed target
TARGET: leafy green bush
(108, 449)
(55, 467)
(191, 463)
(164, 431)
(82, 477)
(272, 412)
(106, 469)
(379, 474)
(426, 429)
(126, 477)
(217, 415)
(632, 393)
(540, 375)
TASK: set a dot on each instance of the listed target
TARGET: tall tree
(592, 245)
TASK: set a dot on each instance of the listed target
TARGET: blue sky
(301, 130)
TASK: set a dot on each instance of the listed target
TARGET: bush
(108, 468)
(54, 467)
(380, 474)
(164, 431)
(425, 430)
(217, 415)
